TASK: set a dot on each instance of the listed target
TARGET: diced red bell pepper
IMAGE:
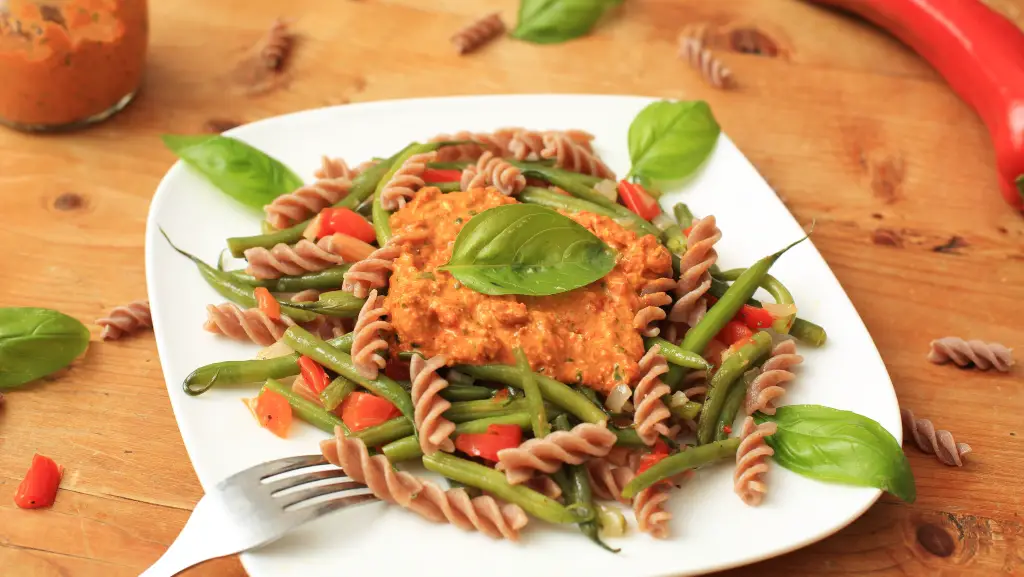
(333, 220)
(660, 447)
(441, 175)
(486, 445)
(734, 331)
(649, 460)
(361, 410)
(639, 200)
(39, 487)
(501, 396)
(755, 318)
(272, 411)
(314, 375)
(397, 370)
(267, 303)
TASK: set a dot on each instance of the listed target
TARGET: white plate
(711, 528)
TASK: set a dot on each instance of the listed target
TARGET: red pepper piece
(639, 200)
(266, 303)
(486, 445)
(755, 318)
(441, 175)
(397, 370)
(314, 375)
(342, 220)
(39, 487)
(361, 410)
(734, 331)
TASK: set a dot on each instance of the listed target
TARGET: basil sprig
(554, 21)
(526, 249)
(244, 173)
(35, 342)
(670, 140)
(841, 447)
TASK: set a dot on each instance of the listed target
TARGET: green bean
(365, 209)
(672, 465)
(627, 437)
(362, 187)
(380, 216)
(676, 355)
(674, 240)
(323, 280)
(730, 303)
(408, 448)
(307, 410)
(674, 376)
(802, 330)
(687, 411)
(237, 292)
(534, 401)
(335, 393)
(494, 482)
(445, 187)
(448, 165)
(683, 216)
(775, 288)
(456, 393)
(339, 303)
(457, 378)
(592, 395)
(575, 484)
(731, 405)
(559, 394)
(462, 412)
(548, 166)
(551, 199)
(731, 370)
(300, 340)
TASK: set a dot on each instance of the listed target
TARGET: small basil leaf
(553, 21)
(841, 447)
(244, 173)
(670, 140)
(36, 342)
(527, 249)
(334, 304)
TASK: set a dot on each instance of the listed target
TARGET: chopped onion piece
(608, 189)
(678, 399)
(618, 397)
(610, 521)
(780, 310)
(278, 349)
(627, 407)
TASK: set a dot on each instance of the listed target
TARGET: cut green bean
(731, 407)
(548, 166)
(683, 216)
(534, 400)
(676, 355)
(381, 223)
(775, 288)
(495, 483)
(307, 410)
(729, 373)
(303, 342)
(408, 448)
(338, 303)
(802, 330)
(557, 393)
(592, 395)
(323, 280)
(575, 484)
(335, 393)
(456, 378)
(687, 411)
(457, 393)
(674, 376)
(551, 199)
(445, 187)
(673, 465)
(397, 428)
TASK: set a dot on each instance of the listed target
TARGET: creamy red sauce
(583, 336)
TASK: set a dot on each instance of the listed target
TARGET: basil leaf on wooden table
(526, 249)
(670, 140)
(244, 173)
(553, 21)
(35, 342)
(839, 446)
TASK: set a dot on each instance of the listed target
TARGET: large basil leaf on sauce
(244, 173)
(35, 342)
(525, 249)
(840, 447)
(670, 140)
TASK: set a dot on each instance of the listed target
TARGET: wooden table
(850, 128)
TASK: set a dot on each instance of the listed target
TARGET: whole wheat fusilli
(653, 296)
(649, 508)
(484, 514)
(406, 181)
(775, 372)
(571, 156)
(478, 33)
(124, 320)
(650, 415)
(980, 354)
(305, 256)
(276, 45)
(547, 454)
(245, 324)
(528, 144)
(493, 171)
(367, 341)
(752, 461)
(496, 142)
(338, 168)
(939, 443)
(373, 271)
(700, 58)
(545, 486)
(433, 429)
(694, 278)
(607, 480)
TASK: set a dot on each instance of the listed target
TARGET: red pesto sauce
(67, 62)
(582, 336)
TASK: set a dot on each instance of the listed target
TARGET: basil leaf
(526, 249)
(553, 21)
(36, 342)
(334, 304)
(245, 173)
(841, 447)
(670, 140)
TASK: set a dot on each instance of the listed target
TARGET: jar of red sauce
(69, 63)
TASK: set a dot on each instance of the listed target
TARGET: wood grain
(852, 130)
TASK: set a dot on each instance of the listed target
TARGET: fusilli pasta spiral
(305, 256)
(338, 168)
(367, 341)
(693, 50)
(545, 486)
(651, 415)
(776, 371)
(372, 272)
(528, 144)
(939, 443)
(124, 320)
(496, 142)
(547, 454)
(245, 324)
(484, 514)
(406, 181)
(276, 45)
(478, 33)
(752, 461)
(978, 353)
(434, 430)
(653, 296)
(607, 480)
(694, 278)
(649, 508)
(491, 170)
(571, 156)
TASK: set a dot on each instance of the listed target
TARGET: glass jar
(69, 63)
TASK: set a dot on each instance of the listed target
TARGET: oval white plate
(711, 528)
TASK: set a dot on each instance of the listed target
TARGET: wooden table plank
(853, 131)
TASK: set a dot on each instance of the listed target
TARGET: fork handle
(191, 546)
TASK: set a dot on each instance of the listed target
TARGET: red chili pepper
(639, 200)
(734, 331)
(272, 411)
(266, 303)
(342, 220)
(486, 445)
(39, 487)
(441, 175)
(314, 375)
(979, 53)
(361, 410)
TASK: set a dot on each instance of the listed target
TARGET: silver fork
(249, 509)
